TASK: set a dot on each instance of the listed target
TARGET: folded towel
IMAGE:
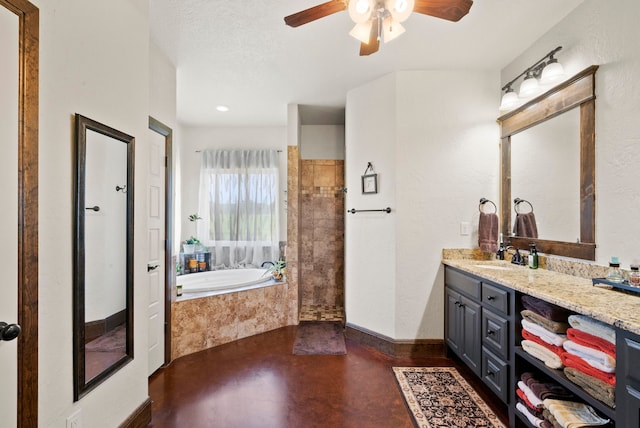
(541, 353)
(571, 414)
(549, 417)
(525, 225)
(586, 339)
(554, 326)
(521, 398)
(544, 390)
(593, 386)
(548, 336)
(593, 357)
(594, 327)
(546, 424)
(488, 232)
(527, 335)
(535, 401)
(536, 422)
(546, 309)
(578, 363)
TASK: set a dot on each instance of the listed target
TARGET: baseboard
(418, 348)
(140, 418)
(97, 328)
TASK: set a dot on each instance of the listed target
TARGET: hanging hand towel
(525, 225)
(488, 232)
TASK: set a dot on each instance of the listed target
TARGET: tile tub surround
(571, 292)
(199, 324)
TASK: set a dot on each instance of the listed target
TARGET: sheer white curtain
(238, 203)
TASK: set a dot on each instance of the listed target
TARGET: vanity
(482, 327)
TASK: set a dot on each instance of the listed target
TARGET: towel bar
(353, 210)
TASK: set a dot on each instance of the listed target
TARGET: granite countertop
(574, 293)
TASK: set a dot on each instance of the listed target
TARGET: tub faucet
(517, 258)
(267, 263)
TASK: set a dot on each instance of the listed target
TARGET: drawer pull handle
(491, 298)
(490, 373)
(490, 332)
(457, 303)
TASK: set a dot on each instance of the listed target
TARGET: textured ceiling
(241, 54)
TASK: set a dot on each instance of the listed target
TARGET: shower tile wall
(322, 232)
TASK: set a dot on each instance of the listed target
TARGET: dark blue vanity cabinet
(627, 379)
(478, 320)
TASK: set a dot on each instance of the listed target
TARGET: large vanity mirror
(103, 253)
(548, 160)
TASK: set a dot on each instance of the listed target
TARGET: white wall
(194, 139)
(322, 142)
(600, 33)
(94, 61)
(432, 138)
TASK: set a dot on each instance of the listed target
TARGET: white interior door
(156, 238)
(9, 212)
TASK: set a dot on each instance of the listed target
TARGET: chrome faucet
(517, 258)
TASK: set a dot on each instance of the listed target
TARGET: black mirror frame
(82, 386)
(578, 91)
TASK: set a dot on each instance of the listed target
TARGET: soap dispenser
(533, 256)
(501, 249)
(614, 274)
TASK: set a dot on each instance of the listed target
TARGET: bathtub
(227, 279)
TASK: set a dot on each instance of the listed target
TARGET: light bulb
(509, 100)
(552, 72)
(399, 9)
(360, 10)
(529, 86)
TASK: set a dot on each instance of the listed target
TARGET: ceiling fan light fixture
(360, 10)
(391, 29)
(362, 31)
(400, 9)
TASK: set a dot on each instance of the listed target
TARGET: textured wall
(599, 33)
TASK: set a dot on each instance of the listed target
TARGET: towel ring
(484, 201)
(518, 201)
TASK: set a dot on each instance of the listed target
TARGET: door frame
(29, 18)
(167, 133)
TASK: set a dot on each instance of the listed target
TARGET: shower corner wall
(293, 213)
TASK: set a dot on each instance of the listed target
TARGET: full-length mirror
(103, 277)
(548, 159)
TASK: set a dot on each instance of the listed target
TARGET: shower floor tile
(321, 313)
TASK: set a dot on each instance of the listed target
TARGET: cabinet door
(452, 322)
(471, 340)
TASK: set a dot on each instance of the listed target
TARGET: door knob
(9, 331)
(150, 268)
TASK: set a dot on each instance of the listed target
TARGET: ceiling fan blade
(374, 41)
(451, 10)
(316, 12)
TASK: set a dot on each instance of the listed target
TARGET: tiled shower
(321, 222)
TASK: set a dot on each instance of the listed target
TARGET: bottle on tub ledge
(533, 256)
(634, 275)
(614, 274)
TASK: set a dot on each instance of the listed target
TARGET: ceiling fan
(378, 20)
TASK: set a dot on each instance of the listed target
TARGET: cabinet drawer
(495, 298)
(631, 349)
(495, 333)
(464, 283)
(495, 373)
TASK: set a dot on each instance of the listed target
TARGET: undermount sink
(494, 267)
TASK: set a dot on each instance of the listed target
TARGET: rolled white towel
(546, 335)
(593, 357)
(594, 327)
(533, 399)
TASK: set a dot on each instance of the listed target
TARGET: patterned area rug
(440, 397)
(319, 338)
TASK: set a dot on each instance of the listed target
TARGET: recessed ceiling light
(222, 108)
